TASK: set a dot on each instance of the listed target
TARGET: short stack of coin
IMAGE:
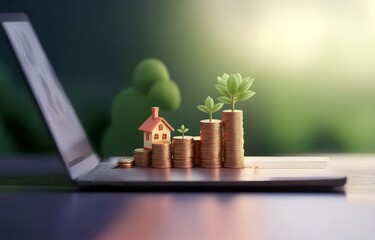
(197, 151)
(142, 157)
(182, 152)
(125, 162)
(233, 139)
(211, 137)
(161, 155)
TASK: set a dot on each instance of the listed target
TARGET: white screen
(62, 121)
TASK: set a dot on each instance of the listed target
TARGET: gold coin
(142, 157)
(233, 139)
(210, 143)
(197, 151)
(124, 166)
(125, 162)
(161, 155)
(182, 152)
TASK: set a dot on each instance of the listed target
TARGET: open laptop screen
(58, 113)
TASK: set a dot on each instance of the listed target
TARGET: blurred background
(313, 63)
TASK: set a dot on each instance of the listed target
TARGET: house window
(156, 136)
(147, 136)
(164, 136)
(160, 127)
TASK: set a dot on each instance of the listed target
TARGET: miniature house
(155, 129)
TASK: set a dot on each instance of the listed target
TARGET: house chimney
(155, 112)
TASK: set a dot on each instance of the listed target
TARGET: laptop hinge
(84, 166)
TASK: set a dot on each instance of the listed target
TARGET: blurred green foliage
(132, 106)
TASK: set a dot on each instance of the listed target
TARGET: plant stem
(182, 135)
(232, 103)
(210, 116)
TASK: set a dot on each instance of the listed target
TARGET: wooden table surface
(30, 212)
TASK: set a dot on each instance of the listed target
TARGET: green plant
(210, 107)
(234, 88)
(183, 130)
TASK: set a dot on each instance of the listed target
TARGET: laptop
(86, 169)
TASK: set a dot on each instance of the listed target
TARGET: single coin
(125, 162)
(124, 166)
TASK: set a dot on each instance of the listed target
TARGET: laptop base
(106, 175)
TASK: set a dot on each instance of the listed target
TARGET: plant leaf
(222, 90)
(219, 80)
(217, 107)
(182, 127)
(251, 81)
(245, 85)
(224, 79)
(232, 84)
(245, 79)
(225, 100)
(245, 95)
(179, 130)
(209, 102)
(203, 108)
(186, 130)
(239, 78)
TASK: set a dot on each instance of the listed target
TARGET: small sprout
(234, 88)
(210, 107)
(183, 130)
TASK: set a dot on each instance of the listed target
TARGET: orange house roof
(153, 121)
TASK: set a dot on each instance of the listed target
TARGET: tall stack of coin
(197, 151)
(161, 155)
(142, 157)
(211, 136)
(233, 139)
(182, 152)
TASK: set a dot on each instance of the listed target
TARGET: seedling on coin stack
(183, 130)
(210, 107)
(182, 149)
(233, 88)
(210, 148)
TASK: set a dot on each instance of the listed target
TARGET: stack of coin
(182, 152)
(125, 162)
(197, 151)
(142, 157)
(211, 137)
(233, 139)
(161, 155)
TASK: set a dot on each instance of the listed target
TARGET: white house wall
(165, 130)
(147, 144)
